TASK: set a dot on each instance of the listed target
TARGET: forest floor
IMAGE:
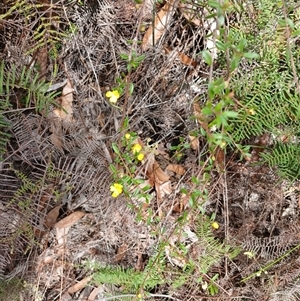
(137, 204)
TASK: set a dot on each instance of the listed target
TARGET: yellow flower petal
(115, 194)
(127, 136)
(116, 189)
(222, 144)
(109, 94)
(136, 148)
(113, 96)
(215, 225)
(140, 156)
(252, 112)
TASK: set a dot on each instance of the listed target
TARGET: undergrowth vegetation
(173, 131)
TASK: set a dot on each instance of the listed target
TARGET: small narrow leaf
(251, 55)
(230, 114)
(115, 148)
(207, 57)
(131, 88)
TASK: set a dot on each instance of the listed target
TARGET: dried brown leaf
(186, 60)
(161, 21)
(69, 220)
(95, 292)
(121, 253)
(52, 216)
(194, 143)
(165, 189)
(66, 103)
(188, 12)
(79, 285)
(178, 169)
(61, 235)
(159, 175)
(140, 264)
(56, 140)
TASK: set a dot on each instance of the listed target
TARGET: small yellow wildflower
(116, 189)
(140, 156)
(215, 225)
(113, 96)
(249, 254)
(136, 148)
(252, 111)
(127, 136)
(222, 144)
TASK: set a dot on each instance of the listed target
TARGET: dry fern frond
(290, 293)
(269, 248)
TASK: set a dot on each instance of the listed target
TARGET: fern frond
(129, 278)
(268, 248)
(213, 249)
(42, 19)
(290, 293)
(286, 157)
(271, 99)
(27, 80)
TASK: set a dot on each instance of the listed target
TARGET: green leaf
(220, 45)
(140, 58)
(230, 114)
(290, 23)
(251, 55)
(234, 63)
(286, 22)
(296, 33)
(131, 88)
(126, 122)
(207, 57)
(115, 148)
(124, 56)
(221, 20)
(214, 4)
(113, 168)
(206, 111)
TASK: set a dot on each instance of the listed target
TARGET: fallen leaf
(178, 169)
(56, 140)
(49, 259)
(186, 60)
(161, 21)
(52, 216)
(194, 143)
(220, 159)
(79, 285)
(190, 13)
(122, 250)
(69, 220)
(61, 235)
(160, 176)
(140, 264)
(165, 189)
(66, 103)
(56, 128)
(95, 292)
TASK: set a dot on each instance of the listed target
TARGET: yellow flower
(136, 148)
(249, 254)
(215, 225)
(113, 96)
(252, 111)
(140, 156)
(127, 136)
(116, 189)
(222, 144)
